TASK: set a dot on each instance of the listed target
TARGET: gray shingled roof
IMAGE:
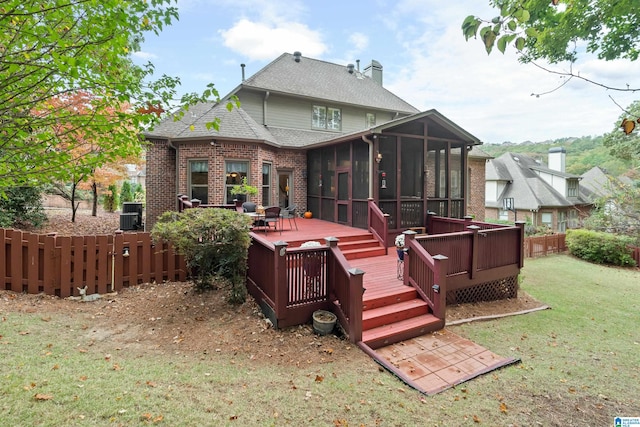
(528, 189)
(317, 79)
(234, 124)
(309, 77)
(596, 184)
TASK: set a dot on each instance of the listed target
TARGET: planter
(323, 322)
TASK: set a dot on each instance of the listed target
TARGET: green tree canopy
(556, 30)
(51, 49)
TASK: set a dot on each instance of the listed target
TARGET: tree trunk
(74, 206)
(94, 208)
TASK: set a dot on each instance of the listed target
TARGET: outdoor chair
(248, 207)
(290, 213)
(272, 216)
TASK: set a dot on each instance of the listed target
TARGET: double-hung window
(199, 180)
(235, 172)
(326, 118)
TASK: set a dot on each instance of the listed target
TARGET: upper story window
(371, 120)
(326, 118)
(572, 188)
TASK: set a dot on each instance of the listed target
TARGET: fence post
(440, 286)
(474, 250)
(520, 225)
(280, 278)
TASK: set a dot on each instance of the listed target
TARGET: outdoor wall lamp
(378, 157)
(125, 252)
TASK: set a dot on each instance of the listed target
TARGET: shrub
(110, 200)
(599, 247)
(21, 207)
(214, 242)
(126, 192)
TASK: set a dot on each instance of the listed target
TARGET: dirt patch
(173, 317)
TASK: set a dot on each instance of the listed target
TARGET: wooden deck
(391, 311)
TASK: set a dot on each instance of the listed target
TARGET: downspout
(371, 162)
(264, 108)
(170, 144)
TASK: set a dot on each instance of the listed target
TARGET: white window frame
(266, 186)
(370, 120)
(572, 188)
(228, 186)
(329, 118)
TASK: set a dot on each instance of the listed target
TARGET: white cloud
(145, 56)
(358, 41)
(263, 41)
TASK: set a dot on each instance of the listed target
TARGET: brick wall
(160, 184)
(475, 204)
(163, 185)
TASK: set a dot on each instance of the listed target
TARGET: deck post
(430, 216)
(520, 225)
(474, 250)
(332, 242)
(440, 286)
(280, 278)
(408, 235)
(355, 308)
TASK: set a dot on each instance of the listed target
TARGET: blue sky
(425, 60)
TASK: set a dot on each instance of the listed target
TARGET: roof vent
(517, 159)
(296, 56)
(350, 68)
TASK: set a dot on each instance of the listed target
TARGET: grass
(579, 368)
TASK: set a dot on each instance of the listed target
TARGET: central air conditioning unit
(132, 208)
(129, 221)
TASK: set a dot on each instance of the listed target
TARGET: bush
(21, 207)
(214, 242)
(110, 200)
(599, 247)
(126, 193)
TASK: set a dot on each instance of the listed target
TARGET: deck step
(372, 301)
(393, 313)
(363, 253)
(400, 331)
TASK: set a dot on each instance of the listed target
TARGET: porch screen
(360, 178)
(387, 169)
(411, 168)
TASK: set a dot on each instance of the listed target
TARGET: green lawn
(579, 368)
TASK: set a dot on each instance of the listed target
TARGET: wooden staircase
(361, 245)
(395, 316)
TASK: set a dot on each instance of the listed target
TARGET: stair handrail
(432, 287)
(378, 223)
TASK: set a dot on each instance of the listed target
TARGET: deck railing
(57, 265)
(291, 283)
(378, 223)
(426, 273)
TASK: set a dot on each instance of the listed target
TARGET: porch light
(378, 157)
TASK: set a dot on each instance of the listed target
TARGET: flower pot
(323, 322)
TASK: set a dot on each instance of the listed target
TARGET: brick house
(324, 137)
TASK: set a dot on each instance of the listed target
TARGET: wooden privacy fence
(57, 265)
(536, 246)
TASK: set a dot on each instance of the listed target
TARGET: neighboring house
(477, 161)
(542, 195)
(323, 136)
